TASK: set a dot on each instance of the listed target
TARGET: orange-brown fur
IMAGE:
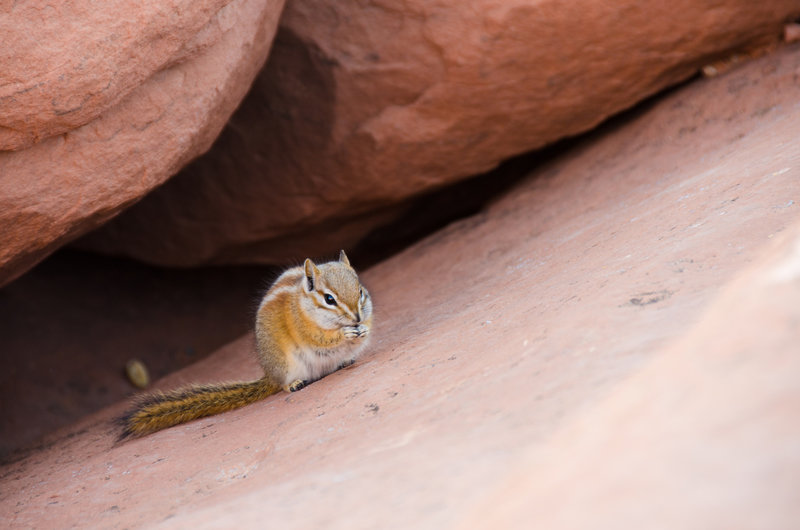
(312, 321)
(159, 411)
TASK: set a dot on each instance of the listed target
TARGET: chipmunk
(312, 321)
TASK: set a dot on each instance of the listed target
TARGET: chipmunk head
(334, 296)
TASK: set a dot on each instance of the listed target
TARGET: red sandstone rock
(362, 105)
(705, 436)
(131, 93)
(66, 63)
(586, 350)
(791, 32)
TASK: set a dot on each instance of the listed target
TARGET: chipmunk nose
(358, 317)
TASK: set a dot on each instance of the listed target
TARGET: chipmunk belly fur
(312, 321)
(311, 364)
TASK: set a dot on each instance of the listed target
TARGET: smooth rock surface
(131, 94)
(363, 104)
(66, 63)
(591, 337)
(705, 436)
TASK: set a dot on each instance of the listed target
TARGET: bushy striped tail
(158, 411)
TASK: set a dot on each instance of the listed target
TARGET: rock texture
(66, 64)
(705, 436)
(119, 99)
(623, 325)
(363, 104)
(69, 326)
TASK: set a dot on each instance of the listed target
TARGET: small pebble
(137, 373)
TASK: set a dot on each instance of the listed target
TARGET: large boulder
(363, 105)
(67, 63)
(102, 103)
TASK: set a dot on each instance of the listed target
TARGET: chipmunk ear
(343, 258)
(311, 275)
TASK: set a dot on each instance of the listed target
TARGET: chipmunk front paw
(354, 332)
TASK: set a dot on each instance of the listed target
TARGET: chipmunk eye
(330, 300)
